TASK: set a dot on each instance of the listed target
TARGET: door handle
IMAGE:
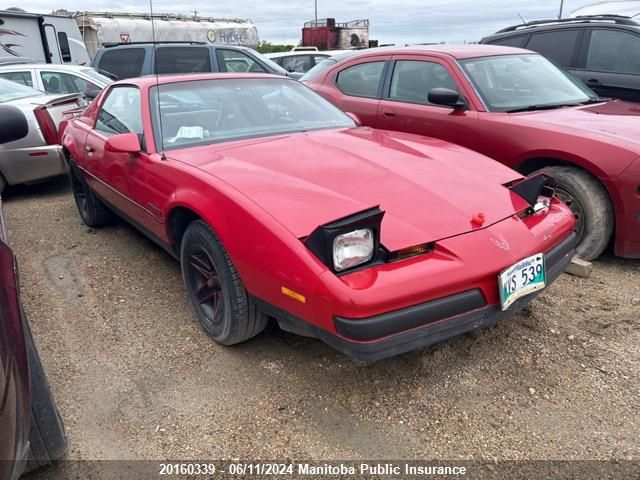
(593, 81)
(389, 114)
(89, 150)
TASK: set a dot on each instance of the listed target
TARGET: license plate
(523, 278)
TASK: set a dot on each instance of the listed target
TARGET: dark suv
(128, 60)
(603, 50)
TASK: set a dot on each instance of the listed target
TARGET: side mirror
(445, 97)
(123, 143)
(13, 124)
(355, 118)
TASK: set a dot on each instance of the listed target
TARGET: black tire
(47, 439)
(3, 183)
(215, 290)
(93, 212)
(590, 203)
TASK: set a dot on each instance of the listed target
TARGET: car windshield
(510, 83)
(14, 91)
(103, 80)
(273, 65)
(202, 112)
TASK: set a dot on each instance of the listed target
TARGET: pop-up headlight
(349, 242)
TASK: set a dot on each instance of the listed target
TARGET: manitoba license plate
(526, 276)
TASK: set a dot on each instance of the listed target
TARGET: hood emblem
(501, 242)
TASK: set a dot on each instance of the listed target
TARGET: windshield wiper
(595, 100)
(531, 108)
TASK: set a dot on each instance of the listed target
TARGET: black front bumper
(425, 324)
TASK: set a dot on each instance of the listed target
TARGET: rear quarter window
(517, 41)
(122, 62)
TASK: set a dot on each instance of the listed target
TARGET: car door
(110, 173)
(610, 63)
(405, 106)
(356, 87)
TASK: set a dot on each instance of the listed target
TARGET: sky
(392, 21)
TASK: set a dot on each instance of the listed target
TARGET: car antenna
(523, 20)
(155, 70)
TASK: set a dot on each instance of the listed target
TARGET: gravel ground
(135, 377)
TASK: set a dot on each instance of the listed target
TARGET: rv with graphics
(40, 38)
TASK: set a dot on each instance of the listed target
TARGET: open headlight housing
(348, 243)
(537, 190)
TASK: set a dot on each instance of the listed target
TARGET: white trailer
(42, 38)
(100, 28)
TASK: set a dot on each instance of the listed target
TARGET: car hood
(614, 119)
(429, 189)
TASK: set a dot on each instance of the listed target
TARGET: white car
(56, 79)
(299, 62)
(38, 155)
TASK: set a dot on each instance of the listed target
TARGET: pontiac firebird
(278, 205)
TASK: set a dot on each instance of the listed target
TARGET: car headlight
(352, 249)
(349, 242)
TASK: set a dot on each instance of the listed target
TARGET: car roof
(601, 21)
(468, 50)
(151, 80)
(49, 66)
(299, 53)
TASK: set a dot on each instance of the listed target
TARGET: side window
(120, 112)
(122, 62)
(65, 51)
(19, 77)
(361, 80)
(558, 46)
(235, 61)
(297, 63)
(412, 80)
(57, 82)
(613, 51)
(183, 60)
(516, 41)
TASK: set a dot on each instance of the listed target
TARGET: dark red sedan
(279, 205)
(514, 106)
(31, 431)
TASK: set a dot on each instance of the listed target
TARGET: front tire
(93, 212)
(215, 290)
(590, 204)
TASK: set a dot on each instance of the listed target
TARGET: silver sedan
(38, 155)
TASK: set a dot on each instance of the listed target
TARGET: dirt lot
(136, 377)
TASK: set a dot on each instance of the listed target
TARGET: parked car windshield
(14, 91)
(273, 65)
(510, 83)
(97, 76)
(201, 112)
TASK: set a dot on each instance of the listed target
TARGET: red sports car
(514, 106)
(278, 205)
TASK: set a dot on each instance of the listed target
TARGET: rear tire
(3, 183)
(590, 204)
(215, 290)
(93, 212)
(47, 439)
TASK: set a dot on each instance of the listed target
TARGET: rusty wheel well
(179, 219)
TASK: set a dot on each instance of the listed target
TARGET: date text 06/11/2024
(309, 469)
